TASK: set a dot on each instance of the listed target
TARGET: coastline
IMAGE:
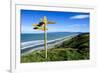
(72, 48)
(28, 47)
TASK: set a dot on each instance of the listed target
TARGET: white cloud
(79, 17)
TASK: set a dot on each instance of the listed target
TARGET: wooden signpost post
(43, 26)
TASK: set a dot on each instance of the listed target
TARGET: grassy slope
(76, 48)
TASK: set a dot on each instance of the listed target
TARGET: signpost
(43, 26)
(45, 36)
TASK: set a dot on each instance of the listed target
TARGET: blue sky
(65, 21)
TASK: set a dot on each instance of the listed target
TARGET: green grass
(76, 48)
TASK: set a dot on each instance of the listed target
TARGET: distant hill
(76, 48)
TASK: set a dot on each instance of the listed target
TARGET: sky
(64, 21)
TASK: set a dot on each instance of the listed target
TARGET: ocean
(35, 41)
(25, 37)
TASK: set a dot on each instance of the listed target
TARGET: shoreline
(40, 46)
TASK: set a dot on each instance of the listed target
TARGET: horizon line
(54, 32)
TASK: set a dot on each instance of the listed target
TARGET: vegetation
(76, 48)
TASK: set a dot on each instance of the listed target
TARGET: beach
(30, 46)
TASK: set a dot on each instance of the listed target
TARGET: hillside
(76, 48)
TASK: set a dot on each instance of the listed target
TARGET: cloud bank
(79, 17)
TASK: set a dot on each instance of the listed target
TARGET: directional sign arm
(50, 22)
(34, 25)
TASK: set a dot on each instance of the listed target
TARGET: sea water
(36, 40)
(25, 37)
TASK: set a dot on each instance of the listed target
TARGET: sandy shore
(31, 46)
